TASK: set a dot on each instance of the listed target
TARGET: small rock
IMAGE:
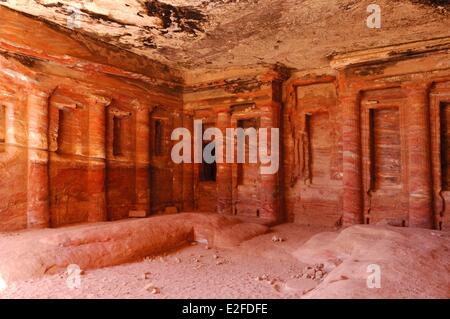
(319, 266)
(277, 239)
(277, 288)
(149, 287)
(311, 272)
(156, 291)
(216, 257)
(146, 275)
(152, 289)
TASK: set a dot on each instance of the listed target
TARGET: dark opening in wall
(117, 136)
(445, 147)
(208, 171)
(307, 176)
(60, 132)
(158, 138)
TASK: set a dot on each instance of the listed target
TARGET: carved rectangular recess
(385, 148)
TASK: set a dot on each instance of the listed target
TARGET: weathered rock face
(85, 133)
(391, 155)
(244, 100)
(106, 244)
(348, 257)
(75, 132)
(211, 34)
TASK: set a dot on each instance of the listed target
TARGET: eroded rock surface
(33, 254)
(215, 34)
(412, 262)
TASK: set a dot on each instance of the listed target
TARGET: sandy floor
(306, 263)
(259, 268)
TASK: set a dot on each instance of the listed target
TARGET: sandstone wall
(239, 98)
(313, 150)
(76, 128)
(85, 134)
(367, 140)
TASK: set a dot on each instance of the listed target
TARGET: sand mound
(413, 263)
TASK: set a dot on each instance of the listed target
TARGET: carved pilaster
(97, 158)
(352, 170)
(419, 159)
(38, 182)
(224, 170)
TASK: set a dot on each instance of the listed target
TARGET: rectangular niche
(444, 110)
(320, 142)
(208, 171)
(117, 136)
(64, 138)
(385, 148)
(158, 138)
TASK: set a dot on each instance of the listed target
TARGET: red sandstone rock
(403, 255)
(85, 137)
(106, 244)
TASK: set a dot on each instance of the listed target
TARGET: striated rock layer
(85, 134)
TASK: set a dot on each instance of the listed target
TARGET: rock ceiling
(198, 34)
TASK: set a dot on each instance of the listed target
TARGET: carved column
(142, 191)
(38, 182)
(352, 179)
(188, 169)
(224, 170)
(419, 159)
(97, 159)
(269, 191)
